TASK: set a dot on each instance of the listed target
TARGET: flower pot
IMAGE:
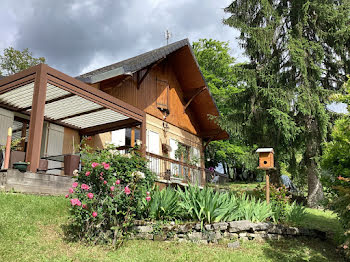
(16, 156)
(71, 163)
(21, 166)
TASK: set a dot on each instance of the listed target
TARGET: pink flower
(101, 178)
(67, 196)
(89, 138)
(94, 164)
(94, 214)
(75, 201)
(148, 198)
(345, 247)
(117, 182)
(101, 174)
(112, 188)
(127, 190)
(71, 190)
(103, 163)
(106, 166)
(87, 173)
(85, 187)
(148, 193)
(90, 195)
(75, 184)
(105, 182)
(84, 206)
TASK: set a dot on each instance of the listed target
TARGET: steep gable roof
(133, 64)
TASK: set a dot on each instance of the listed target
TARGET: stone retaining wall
(212, 233)
(34, 183)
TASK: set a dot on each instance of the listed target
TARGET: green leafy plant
(164, 204)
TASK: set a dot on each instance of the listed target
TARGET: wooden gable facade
(172, 92)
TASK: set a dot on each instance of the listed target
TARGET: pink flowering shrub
(111, 191)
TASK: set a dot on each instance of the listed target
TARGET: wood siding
(146, 97)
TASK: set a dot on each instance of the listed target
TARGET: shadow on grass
(302, 249)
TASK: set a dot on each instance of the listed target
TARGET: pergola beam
(109, 127)
(81, 114)
(49, 101)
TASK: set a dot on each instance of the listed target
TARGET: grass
(30, 230)
(238, 187)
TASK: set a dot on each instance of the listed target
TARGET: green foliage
(294, 213)
(336, 160)
(109, 194)
(218, 68)
(298, 55)
(164, 204)
(14, 61)
(207, 206)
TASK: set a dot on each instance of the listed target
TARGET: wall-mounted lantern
(266, 162)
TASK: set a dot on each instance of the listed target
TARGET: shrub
(109, 193)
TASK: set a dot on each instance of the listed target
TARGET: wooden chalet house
(159, 98)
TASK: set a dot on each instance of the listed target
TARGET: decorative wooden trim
(199, 90)
(148, 69)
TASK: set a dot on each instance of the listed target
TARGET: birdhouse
(265, 158)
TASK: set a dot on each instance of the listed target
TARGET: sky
(78, 36)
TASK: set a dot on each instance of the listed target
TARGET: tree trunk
(315, 190)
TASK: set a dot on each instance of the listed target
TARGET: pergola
(47, 94)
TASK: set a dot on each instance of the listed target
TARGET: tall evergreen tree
(299, 54)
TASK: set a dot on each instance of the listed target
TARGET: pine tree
(299, 54)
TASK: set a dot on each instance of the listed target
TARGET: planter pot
(43, 165)
(71, 163)
(16, 156)
(21, 166)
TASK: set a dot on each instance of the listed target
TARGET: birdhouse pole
(267, 187)
(266, 162)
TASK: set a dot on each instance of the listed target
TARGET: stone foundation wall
(34, 183)
(212, 233)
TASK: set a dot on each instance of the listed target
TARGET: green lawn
(30, 230)
(239, 187)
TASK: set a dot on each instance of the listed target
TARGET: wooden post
(143, 137)
(8, 148)
(132, 137)
(37, 119)
(267, 187)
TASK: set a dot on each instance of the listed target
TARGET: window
(162, 94)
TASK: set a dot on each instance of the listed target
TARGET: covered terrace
(45, 94)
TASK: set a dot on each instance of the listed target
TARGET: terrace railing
(180, 172)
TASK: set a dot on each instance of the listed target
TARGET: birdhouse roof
(264, 150)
